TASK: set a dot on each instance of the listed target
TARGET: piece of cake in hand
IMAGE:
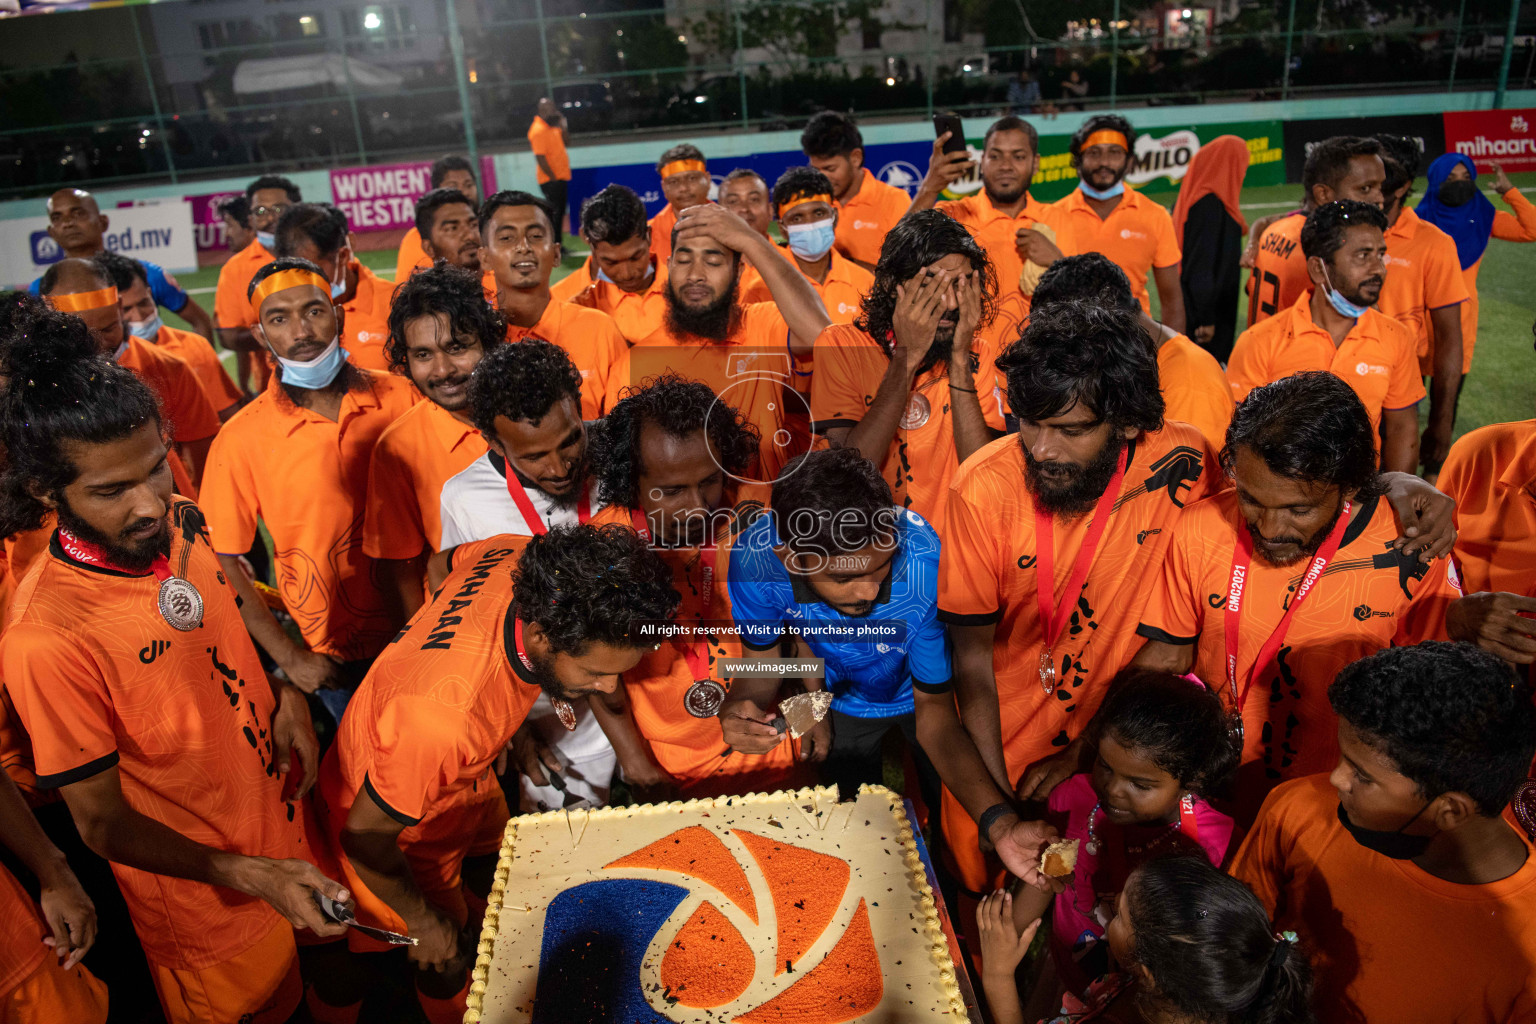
(1059, 859)
(788, 908)
(804, 711)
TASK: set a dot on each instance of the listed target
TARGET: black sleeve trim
(1153, 633)
(451, 552)
(822, 426)
(978, 619)
(751, 646)
(80, 774)
(946, 686)
(404, 819)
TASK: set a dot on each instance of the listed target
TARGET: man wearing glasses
(269, 196)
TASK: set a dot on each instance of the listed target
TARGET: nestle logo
(1364, 611)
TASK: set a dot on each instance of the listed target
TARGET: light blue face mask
(317, 373)
(1340, 304)
(146, 329)
(1118, 188)
(268, 240)
(811, 241)
(339, 289)
(604, 277)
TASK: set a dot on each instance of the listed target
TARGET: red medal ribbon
(1052, 623)
(1187, 823)
(696, 654)
(531, 515)
(1241, 557)
(517, 641)
(93, 554)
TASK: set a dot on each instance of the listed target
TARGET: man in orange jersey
(686, 183)
(1272, 587)
(1015, 229)
(1102, 215)
(867, 207)
(546, 137)
(667, 461)
(1343, 167)
(1424, 292)
(408, 790)
(627, 282)
(1333, 327)
(802, 204)
(518, 246)
(451, 171)
(745, 193)
(141, 316)
(439, 329)
(129, 666)
(1195, 391)
(1050, 539)
(296, 459)
(910, 383)
(85, 289)
(744, 352)
(449, 228)
(318, 232)
(269, 196)
(235, 212)
(1404, 857)
(41, 977)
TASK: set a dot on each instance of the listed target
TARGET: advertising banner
(1503, 137)
(1428, 130)
(382, 197)
(158, 232)
(207, 225)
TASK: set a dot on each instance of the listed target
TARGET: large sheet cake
(784, 907)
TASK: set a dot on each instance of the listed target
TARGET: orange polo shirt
(1137, 236)
(987, 575)
(638, 314)
(686, 747)
(366, 320)
(1423, 273)
(425, 728)
(1279, 275)
(661, 227)
(921, 460)
(995, 232)
(593, 342)
(197, 352)
(842, 292)
(231, 305)
(750, 371)
(546, 141)
(865, 220)
(1389, 942)
(410, 257)
(100, 680)
(1377, 358)
(1195, 390)
(1491, 473)
(1369, 598)
(573, 284)
(412, 460)
(306, 477)
(184, 404)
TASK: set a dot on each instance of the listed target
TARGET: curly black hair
(521, 381)
(1089, 277)
(592, 585)
(321, 224)
(680, 407)
(682, 151)
(1328, 162)
(1075, 352)
(280, 264)
(1327, 227)
(1179, 725)
(614, 215)
(916, 241)
(269, 181)
(452, 291)
(60, 390)
(1309, 426)
(830, 134)
(1453, 718)
(1102, 123)
(797, 182)
(833, 501)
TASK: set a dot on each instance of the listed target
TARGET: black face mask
(1395, 845)
(1457, 193)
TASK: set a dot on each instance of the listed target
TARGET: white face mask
(317, 373)
(812, 241)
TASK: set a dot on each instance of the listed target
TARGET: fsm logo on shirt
(44, 249)
(1365, 369)
(1128, 233)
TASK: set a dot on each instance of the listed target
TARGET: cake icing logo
(698, 926)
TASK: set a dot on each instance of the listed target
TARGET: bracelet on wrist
(988, 819)
(956, 387)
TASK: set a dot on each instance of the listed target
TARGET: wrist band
(957, 387)
(987, 820)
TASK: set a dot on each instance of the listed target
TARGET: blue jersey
(869, 677)
(162, 287)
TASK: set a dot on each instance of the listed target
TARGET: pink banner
(207, 225)
(383, 197)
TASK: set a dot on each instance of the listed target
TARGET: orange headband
(1107, 137)
(682, 167)
(80, 302)
(285, 279)
(802, 200)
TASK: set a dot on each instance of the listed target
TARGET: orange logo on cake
(825, 967)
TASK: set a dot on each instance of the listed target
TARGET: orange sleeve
(228, 496)
(1245, 367)
(392, 526)
(970, 592)
(897, 203)
(410, 257)
(220, 387)
(416, 758)
(991, 392)
(1443, 283)
(470, 551)
(1167, 253)
(231, 306)
(1175, 613)
(1424, 618)
(612, 361)
(62, 700)
(837, 399)
(1404, 387)
(1519, 226)
(187, 406)
(1260, 863)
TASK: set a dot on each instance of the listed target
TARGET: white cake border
(917, 876)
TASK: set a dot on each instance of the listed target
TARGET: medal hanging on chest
(704, 697)
(563, 709)
(179, 601)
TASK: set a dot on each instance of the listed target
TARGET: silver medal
(916, 413)
(704, 698)
(180, 604)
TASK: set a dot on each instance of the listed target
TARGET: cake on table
(759, 909)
